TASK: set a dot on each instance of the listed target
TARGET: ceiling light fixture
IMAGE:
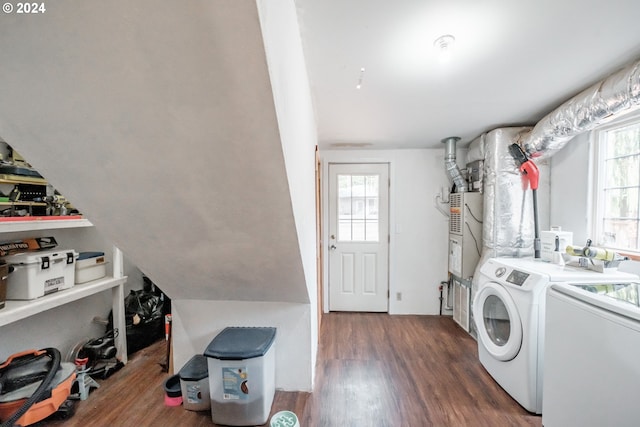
(360, 78)
(444, 45)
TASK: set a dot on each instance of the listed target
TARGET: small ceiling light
(444, 45)
(360, 78)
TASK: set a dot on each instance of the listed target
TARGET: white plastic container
(34, 274)
(548, 243)
(90, 266)
(194, 384)
(241, 364)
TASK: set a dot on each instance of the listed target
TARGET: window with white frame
(617, 213)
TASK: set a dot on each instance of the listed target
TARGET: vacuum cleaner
(33, 385)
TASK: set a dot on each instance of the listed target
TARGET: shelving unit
(15, 311)
(24, 189)
(17, 180)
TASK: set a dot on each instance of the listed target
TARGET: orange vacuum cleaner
(33, 385)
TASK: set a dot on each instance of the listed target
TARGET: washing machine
(509, 311)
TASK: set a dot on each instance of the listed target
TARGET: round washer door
(498, 321)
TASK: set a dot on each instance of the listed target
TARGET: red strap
(81, 362)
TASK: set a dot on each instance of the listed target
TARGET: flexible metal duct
(508, 212)
(507, 229)
(615, 95)
(450, 163)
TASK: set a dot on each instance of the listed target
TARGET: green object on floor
(284, 419)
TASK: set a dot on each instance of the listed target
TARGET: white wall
(569, 192)
(165, 134)
(296, 123)
(419, 244)
(196, 323)
(172, 142)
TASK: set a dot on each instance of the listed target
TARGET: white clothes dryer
(509, 311)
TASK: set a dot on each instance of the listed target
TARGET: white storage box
(90, 266)
(241, 364)
(548, 242)
(34, 274)
(194, 384)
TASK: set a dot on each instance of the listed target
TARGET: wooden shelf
(18, 310)
(23, 204)
(18, 179)
(15, 311)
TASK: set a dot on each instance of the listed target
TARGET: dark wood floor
(373, 370)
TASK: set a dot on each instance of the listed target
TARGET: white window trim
(596, 184)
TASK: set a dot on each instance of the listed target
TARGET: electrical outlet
(398, 296)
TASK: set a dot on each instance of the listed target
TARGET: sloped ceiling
(512, 63)
(157, 120)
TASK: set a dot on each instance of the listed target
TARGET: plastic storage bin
(242, 368)
(90, 266)
(34, 274)
(194, 383)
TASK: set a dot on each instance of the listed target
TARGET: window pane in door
(358, 198)
(344, 207)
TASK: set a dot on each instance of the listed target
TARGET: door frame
(319, 239)
(354, 157)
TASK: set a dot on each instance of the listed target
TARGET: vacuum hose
(41, 390)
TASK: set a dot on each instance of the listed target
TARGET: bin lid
(87, 255)
(35, 257)
(237, 343)
(195, 369)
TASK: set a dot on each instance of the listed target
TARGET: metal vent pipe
(455, 176)
(615, 95)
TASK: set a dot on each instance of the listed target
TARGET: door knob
(332, 247)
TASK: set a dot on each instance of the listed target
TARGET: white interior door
(358, 243)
